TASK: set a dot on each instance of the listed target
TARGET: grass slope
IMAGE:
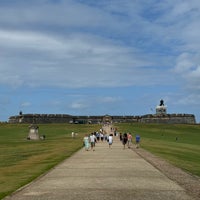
(21, 160)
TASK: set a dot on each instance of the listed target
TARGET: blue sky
(86, 57)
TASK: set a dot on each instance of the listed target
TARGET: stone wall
(62, 118)
(169, 119)
(40, 118)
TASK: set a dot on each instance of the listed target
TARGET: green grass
(160, 139)
(21, 160)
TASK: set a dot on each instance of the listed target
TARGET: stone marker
(33, 132)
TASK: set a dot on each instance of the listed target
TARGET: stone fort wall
(63, 118)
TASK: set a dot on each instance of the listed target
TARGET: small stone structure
(33, 132)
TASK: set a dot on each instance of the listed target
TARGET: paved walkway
(110, 174)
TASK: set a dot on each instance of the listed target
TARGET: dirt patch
(187, 181)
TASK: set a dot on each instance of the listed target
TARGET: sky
(86, 57)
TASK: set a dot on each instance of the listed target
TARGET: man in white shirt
(92, 141)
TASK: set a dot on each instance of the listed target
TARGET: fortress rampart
(169, 119)
(63, 118)
(161, 117)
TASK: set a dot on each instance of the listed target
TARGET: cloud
(87, 103)
(78, 105)
(191, 99)
(90, 51)
(109, 99)
(75, 61)
(25, 104)
(188, 67)
(102, 46)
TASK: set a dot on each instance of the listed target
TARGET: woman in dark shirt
(124, 139)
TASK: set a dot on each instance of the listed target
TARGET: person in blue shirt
(137, 141)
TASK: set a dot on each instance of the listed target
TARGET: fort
(62, 118)
(160, 116)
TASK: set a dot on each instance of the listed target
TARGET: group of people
(126, 138)
(90, 140)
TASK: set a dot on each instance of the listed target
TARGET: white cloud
(184, 63)
(75, 61)
(78, 105)
(189, 100)
(25, 104)
(188, 67)
(109, 99)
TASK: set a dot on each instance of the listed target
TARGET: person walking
(120, 136)
(86, 142)
(92, 141)
(129, 140)
(98, 136)
(110, 140)
(124, 139)
(101, 136)
(137, 141)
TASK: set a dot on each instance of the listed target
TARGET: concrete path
(103, 174)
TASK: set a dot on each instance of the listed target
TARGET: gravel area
(188, 181)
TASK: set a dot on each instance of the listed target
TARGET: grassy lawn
(22, 161)
(179, 144)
